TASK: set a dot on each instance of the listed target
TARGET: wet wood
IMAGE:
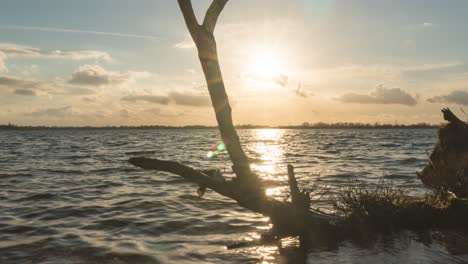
(204, 39)
(281, 213)
(447, 170)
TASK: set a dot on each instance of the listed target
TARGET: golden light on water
(275, 191)
(269, 152)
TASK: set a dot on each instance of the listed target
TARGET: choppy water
(69, 196)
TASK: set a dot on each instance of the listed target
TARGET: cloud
(300, 91)
(427, 24)
(27, 92)
(78, 91)
(89, 99)
(78, 31)
(78, 55)
(153, 111)
(124, 113)
(281, 79)
(96, 76)
(190, 99)
(2, 61)
(187, 43)
(12, 50)
(380, 95)
(25, 86)
(164, 100)
(179, 98)
(455, 97)
(52, 112)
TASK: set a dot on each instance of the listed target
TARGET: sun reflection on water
(269, 152)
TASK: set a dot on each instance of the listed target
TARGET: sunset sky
(120, 62)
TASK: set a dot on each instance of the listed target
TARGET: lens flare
(216, 149)
(221, 146)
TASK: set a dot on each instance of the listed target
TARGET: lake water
(70, 196)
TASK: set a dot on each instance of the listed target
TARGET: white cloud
(77, 55)
(29, 87)
(9, 50)
(190, 99)
(179, 98)
(187, 43)
(52, 112)
(97, 76)
(454, 97)
(380, 95)
(78, 31)
(2, 61)
(427, 24)
(147, 98)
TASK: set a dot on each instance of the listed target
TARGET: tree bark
(283, 215)
(204, 39)
(246, 188)
(447, 170)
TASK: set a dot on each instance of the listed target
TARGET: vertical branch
(300, 202)
(294, 189)
(212, 14)
(190, 18)
(208, 55)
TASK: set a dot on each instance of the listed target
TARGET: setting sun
(266, 64)
(222, 131)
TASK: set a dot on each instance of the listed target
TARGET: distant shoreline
(309, 126)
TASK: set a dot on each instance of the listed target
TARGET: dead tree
(287, 218)
(205, 42)
(448, 167)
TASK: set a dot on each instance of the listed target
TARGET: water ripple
(69, 196)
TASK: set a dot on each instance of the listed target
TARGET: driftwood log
(447, 170)
(287, 218)
(246, 188)
(296, 217)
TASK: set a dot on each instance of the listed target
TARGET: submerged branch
(282, 214)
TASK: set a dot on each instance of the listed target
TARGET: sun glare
(266, 64)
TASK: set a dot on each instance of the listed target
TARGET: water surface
(69, 196)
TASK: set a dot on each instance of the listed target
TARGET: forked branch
(208, 55)
(190, 18)
(212, 14)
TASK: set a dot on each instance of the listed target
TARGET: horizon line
(240, 126)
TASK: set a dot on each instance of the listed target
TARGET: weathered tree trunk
(246, 188)
(287, 218)
(204, 39)
(448, 167)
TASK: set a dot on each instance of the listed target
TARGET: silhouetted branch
(190, 18)
(447, 170)
(212, 14)
(293, 185)
(207, 52)
(282, 214)
(220, 186)
(452, 118)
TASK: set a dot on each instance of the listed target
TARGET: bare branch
(277, 210)
(186, 172)
(212, 14)
(190, 18)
